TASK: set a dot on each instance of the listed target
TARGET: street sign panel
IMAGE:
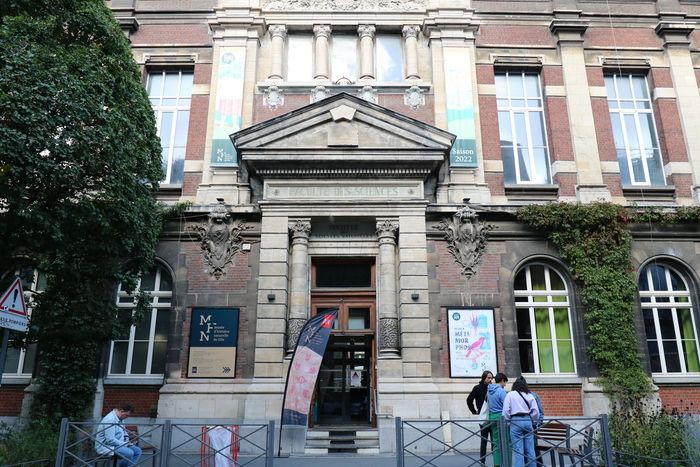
(13, 311)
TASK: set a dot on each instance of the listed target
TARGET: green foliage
(26, 444)
(595, 243)
(648, 436)
(80, 159)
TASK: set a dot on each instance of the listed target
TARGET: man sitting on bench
(113, 439)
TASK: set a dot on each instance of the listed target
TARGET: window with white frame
(634, 130)
(543, 315)
(141, 349)
(522, 130)
(19, 362)
(669, 320)
(170, 93)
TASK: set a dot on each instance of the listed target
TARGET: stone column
(322, 33)
(410, 34)
(388, 314)
(299, 290)
(278, 32)
(366, 33)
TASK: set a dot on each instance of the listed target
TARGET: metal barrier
(567, 441)
(167, 444)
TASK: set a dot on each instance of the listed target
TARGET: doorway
(346, 385)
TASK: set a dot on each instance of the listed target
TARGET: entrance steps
(342, 440)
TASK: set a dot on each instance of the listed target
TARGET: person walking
(496, 394)
(478, 395)
(113, 439)
(520, 409)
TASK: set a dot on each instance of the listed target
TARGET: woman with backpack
(520, 409)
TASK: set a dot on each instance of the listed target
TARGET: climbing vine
(595, 243)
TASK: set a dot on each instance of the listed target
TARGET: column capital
(366, 30)
(568, 30)
(411, 30)
(387, 228)
(277, 30)
(675, 32)
(322, 30)
(300, 228)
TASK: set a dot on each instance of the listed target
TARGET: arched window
(669, 320)
(543, 316)
(141, 350)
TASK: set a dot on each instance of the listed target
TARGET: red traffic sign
(13, 311)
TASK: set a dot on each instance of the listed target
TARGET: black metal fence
(568, 441)
(167, 444)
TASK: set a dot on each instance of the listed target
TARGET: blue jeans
(523, 441)
(129, 455)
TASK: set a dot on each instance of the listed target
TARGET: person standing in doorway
(520, 409)
(478, 396)
(496, 395)
(113, 439)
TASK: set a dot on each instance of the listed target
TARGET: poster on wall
(460, 107)
(472, 340)
(213, 343)
(228, 106)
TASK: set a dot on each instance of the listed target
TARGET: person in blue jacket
(112, 438)
(496, 396)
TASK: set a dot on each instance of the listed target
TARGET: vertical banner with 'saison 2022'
(304, 367)
(460, 106)
(228, 106)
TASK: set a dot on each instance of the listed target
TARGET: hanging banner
(304, 367)
(472, 341)
(460, 107)
(228, 105)
(213, 343)
(13, 311)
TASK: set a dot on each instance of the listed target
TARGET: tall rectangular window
(141, 349)
(389, 54)
(170, 93)
(299, 57)
(522, 128)
(343, 58)
(634, 130)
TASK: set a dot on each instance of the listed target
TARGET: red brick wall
(622, 37)
(154, 34)
(142, 398)
(668, 123)
(560, 401)
(11, 400)
(683, 398)
(558, 129)
(491, 34)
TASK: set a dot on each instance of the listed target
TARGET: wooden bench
(147, 449)
(550, 437)
(583, 455)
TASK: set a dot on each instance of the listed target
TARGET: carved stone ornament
(387, 227)
(319, 93)
(294, 326)
(368, 93)
(366, 30)
(278, 30)
(300, 228)
(273, 97)
(388, 333)
(414, 97)
(220, 238)
(467, 238)
(411, 31)
(345, 5)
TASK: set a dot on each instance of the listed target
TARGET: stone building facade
(327, 148)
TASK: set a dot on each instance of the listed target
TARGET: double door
(345, 386)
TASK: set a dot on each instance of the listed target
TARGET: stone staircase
(342, 440)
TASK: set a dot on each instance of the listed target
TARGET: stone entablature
(347, 190)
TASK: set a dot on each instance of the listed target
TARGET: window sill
(546, 380)
(649, 193)
(133, 380)
(15, 380)
(168, 193)
(532, 192)
(680, 379)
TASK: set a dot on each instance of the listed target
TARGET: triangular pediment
(342, 131)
